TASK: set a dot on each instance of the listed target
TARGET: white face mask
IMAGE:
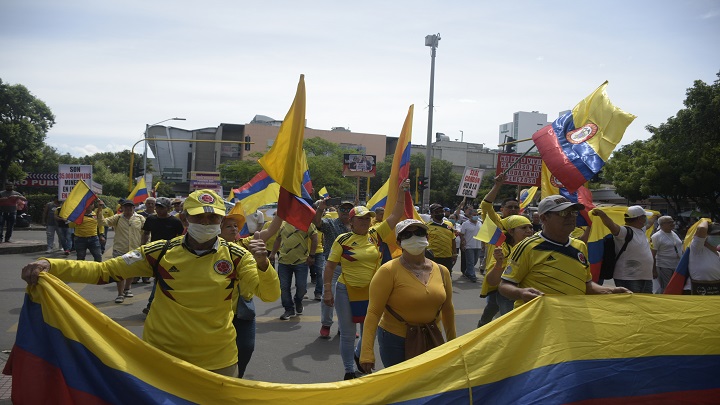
(203, 233)
(415, 245)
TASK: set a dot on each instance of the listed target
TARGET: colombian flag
(78, 201)
(576, 146)
(556, 350)
(526, 197)
(323, 193)
(287, 164)
(139, 193)
(260, 190)
(490, 233)
(401, 167)
(682, 271)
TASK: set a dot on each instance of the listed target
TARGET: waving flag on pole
(78, 201)
(260, 190)
(526, 197)
(576, 146)
(323, 193)
(401, 167)
(490, 233)
(287, 165)
(139, 193)
(379, 199)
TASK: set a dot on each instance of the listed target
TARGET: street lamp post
(145, 137)
(432, 42)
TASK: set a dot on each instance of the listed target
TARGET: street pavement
(285, 351)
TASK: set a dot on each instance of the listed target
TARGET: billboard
(357, 165)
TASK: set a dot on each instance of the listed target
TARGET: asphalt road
(285, 351)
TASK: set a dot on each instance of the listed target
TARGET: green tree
(24, 122)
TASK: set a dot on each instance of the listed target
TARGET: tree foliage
(24, 122)
(680, 160)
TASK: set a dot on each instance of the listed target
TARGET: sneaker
(299, 308)
(287, 315)
(67, 253)
(325, 332)
(128, 293)
(146, 280)
(318, 297)
(349, 376)
(120, 299)
(146, 310)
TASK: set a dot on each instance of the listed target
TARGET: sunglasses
(409, 234)
(344, 209)
(512, 207)
(565, 213)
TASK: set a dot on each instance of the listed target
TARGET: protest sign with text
(470, 182)
(526, 172)
(69, 175)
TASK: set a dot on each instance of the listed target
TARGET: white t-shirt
(636, 262)
(704, 264)
(668, 248)
(467, 231)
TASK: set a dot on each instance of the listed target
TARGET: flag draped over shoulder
(682, 271)
(597, 233)
(78, 201)
(287, 165)
(139, 193)
(401, 167)
(576, 146)
(490, 233)
(66, 351)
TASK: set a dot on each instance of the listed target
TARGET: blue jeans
(471, 258)
(285, 273)
(65, 237)
(326, 312)
(50, 232)
(496, 302)
(318, 268)
(7, 218)
(245, 341)
(348, 349)
(92, 243)
(392, 347)
(636, 286)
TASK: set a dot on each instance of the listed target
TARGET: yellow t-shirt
(88, 228)
(548, 266)
(486, 288)
(195, 297)
(294, 244)
(441, 237)
(415, 302)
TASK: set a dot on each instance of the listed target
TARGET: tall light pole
(145, 137)
(432, 42)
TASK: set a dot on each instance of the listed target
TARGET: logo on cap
(206, 198)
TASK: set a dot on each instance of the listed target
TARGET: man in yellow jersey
(295, 259)
(551, 262)
(199, 276)
(87, 235)
(441, 235)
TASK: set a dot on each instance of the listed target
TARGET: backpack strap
(160, 256)
(628, 238)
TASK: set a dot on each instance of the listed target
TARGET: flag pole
(518, 159)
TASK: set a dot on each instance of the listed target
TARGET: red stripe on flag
(296, 211)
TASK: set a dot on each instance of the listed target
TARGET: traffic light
(512, 147)
(423, 183)
(247, 145)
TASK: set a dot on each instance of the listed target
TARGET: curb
(25, 247)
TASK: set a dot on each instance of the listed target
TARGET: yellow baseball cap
(202, 201)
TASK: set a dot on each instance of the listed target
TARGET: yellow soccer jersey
(294, 244)
(441, 237)
(486, 288)
(550, 267)
(193, 307)
(358, 255)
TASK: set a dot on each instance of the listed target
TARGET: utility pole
(432, 42)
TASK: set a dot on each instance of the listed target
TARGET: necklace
(413, 269)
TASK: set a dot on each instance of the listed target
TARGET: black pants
(445, 261)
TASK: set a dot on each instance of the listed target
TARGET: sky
(107, 69)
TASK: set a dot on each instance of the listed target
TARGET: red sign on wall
(525, 173)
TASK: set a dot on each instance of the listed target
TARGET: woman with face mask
(704, 260)
(408, 290)
(359, 255)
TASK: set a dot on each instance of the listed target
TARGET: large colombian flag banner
(286, 164)
(620, 349)
(576, 146)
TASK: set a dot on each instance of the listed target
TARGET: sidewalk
(26, 240)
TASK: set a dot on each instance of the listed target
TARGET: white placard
(470, 182)
(69, 175)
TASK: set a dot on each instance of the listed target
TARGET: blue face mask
(475, 217)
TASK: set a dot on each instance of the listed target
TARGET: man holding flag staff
(551, 262)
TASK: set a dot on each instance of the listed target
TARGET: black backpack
(609, 257)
